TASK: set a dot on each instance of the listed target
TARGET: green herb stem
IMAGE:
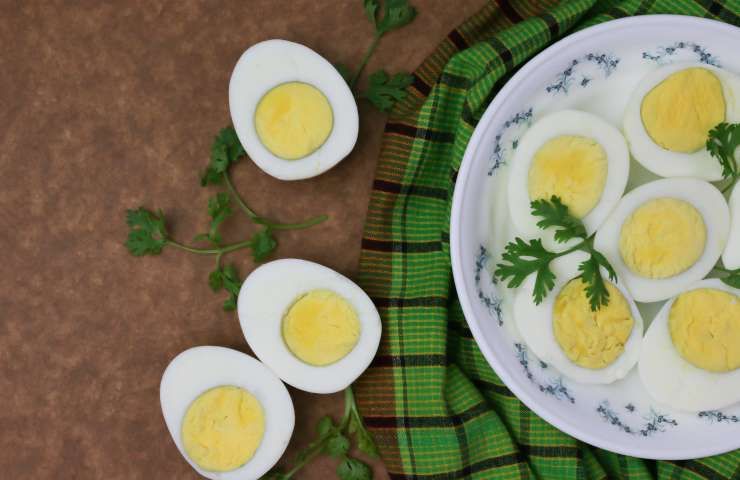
(365, 59)
(263, 221)
(211, 251)
(733, 181)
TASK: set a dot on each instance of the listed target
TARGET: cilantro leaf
(219, 208)
(396, 14)
(337, 446)
(225, 151)
(353, 469)
(325, 426)
(371, 10)
(365, 441)
(226, 278)
(555, 214)
(722, 142)
(596, 291)
(519, 267)
(733, 279)
(384, 91)
(147, 234)
(263, 243)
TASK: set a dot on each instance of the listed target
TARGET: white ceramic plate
(592, 70)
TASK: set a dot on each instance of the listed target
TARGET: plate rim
(456, 248)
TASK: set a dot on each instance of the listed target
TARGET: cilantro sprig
(723, 141)
(730, 277)
(333, 439)
(523, 258)
(383, 90)
(148, 233)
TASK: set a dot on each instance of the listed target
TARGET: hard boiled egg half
(293, 112)
(575, 156)
(229, 415)
(691, 352)
(670, 113)
(665, 235)
(315, 328)
(731, 255)
(595, 347)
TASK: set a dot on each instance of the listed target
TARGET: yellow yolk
(571, 167)
(679, 112)
(321, 328)
(222, 428)
(293, 120)
(591, 339)
(705, 329)
(662, 238)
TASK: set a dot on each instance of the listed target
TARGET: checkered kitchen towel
(435, 407)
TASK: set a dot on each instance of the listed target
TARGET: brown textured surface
(106, 106)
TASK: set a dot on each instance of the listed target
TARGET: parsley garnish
(334, 440)
(732, 277)
(723, 141)
(522, 258)
(383, 91)
(148, 233)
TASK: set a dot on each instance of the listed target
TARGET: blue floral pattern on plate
(497, 159)
(665, 54)
(654, 422)
(715, 416)
(550, 386)
(576, 74)
(492, 303)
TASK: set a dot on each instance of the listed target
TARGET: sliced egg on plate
(691, 353)
(229, 415)
(665, 235)
(731, 255)
(588, 347)
(315, 328)
(574, 155)
(292, 111)
(670, 113)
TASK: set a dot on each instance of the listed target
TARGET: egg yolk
(679, 112)
(293, 120)
(571, 167)
(321, 328)
(662, 238)
(222, 428)
(705, 329)
(591, 339)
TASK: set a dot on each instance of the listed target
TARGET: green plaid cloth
(435, 407)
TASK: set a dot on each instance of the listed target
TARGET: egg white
(731, 255)
(199, 369)
(534, 322)
(264, 299)
(714, 211)
(566, 122)
(663, 162)
(675, 382)
(268, 64)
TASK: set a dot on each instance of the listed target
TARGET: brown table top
(111, 105)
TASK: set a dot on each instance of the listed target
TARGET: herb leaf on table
(384, 91)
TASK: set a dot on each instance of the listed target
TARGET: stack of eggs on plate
(662, 238)
(229, 414)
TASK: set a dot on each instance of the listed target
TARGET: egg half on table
(691, 352)
(315, 328)
(293, 112)
(229, 415)
(670, 113)
(595, 347)
(575, 156)
(665, 235)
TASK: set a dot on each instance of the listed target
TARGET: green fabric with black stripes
(436, 408)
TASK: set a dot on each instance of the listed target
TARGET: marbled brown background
(106, 106)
